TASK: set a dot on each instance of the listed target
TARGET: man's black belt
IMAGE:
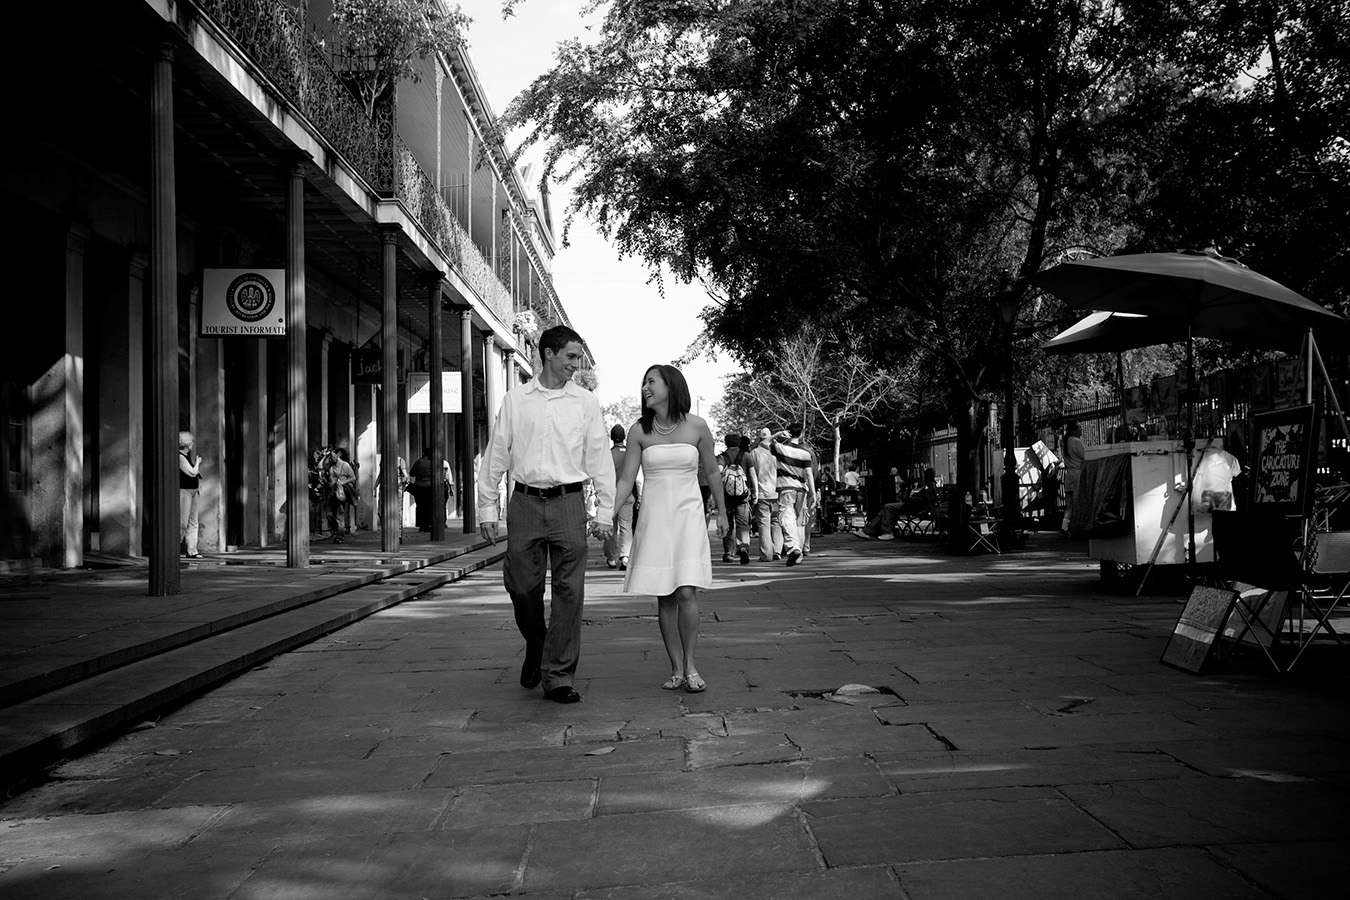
(549, 493)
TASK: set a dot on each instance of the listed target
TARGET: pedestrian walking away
(550, 436)
(671, 557)
(735, 466)
(796, 489)
(189, 494)
(766, 498)
(620, 543)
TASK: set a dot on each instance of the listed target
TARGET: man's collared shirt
(545, 438)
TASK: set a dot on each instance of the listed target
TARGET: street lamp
(1008, 305)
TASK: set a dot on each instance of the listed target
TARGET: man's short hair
(617, 433)
(556, 338)
(795, 429)
(733, 440)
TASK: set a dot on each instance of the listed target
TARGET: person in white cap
(765, 467)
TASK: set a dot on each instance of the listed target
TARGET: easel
(1310, 541)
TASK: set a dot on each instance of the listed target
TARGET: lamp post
(1008, 305)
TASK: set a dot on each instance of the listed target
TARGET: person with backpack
(734, 465)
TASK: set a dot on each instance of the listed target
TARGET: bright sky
(624, 320)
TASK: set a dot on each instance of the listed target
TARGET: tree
(816, 381)
(1257, 163)
(624, 411)
(896, 165)
(378, 40)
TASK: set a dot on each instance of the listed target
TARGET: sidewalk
(85, 653)
(1011, 734)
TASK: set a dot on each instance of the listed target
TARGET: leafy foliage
(624, 411)
(894, 165)
(1258, 162)
(900, 167)
(378, 40)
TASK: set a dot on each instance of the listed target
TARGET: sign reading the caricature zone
(1283, 460)
(243, 303)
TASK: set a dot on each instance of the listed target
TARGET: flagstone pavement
(882, 721)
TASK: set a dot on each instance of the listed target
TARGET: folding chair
(1326, 587)
(984, 535)
(1257, 548)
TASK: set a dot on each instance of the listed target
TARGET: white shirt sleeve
(599, 462)
(495, 463)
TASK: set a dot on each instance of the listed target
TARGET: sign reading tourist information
(243, 303)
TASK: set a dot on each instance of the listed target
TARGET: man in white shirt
(765, 490)
(551, 438)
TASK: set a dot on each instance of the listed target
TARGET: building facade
(166, 151)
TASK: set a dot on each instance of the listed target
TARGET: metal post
(470, 511)
(1188, 436)
(161, 470)
(437, 408)
(1012, 500)
(297, 377)
(391, 500)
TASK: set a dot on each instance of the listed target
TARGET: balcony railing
(273, 35)
(419, 196)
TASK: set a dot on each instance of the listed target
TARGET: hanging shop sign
(367, 365)
(243, 303)
(419, 392)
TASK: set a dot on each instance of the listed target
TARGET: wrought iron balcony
(273, 35)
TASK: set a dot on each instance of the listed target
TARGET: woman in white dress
(671, 556)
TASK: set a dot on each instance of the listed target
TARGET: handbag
(339, 492)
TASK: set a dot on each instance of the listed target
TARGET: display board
(1282, 460)
(1194, 636)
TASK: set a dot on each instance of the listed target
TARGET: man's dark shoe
(794, 556)
(530, 675)
(564, 694)
(745, 556)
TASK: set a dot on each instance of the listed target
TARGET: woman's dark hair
(677, 402)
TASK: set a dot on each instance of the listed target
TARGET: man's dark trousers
(541, 532)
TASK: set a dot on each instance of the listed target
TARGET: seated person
(922, 502)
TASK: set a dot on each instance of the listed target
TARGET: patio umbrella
(1214, 296)
(1114, 332)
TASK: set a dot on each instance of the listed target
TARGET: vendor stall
(1209, 296)
(1152, 477)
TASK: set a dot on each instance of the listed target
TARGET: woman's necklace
(665, 431)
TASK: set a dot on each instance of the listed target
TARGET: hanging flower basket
(527, 324)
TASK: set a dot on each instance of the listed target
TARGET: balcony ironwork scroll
(273, 35)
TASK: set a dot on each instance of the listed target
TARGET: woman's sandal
(674, 684)
(694, 684)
